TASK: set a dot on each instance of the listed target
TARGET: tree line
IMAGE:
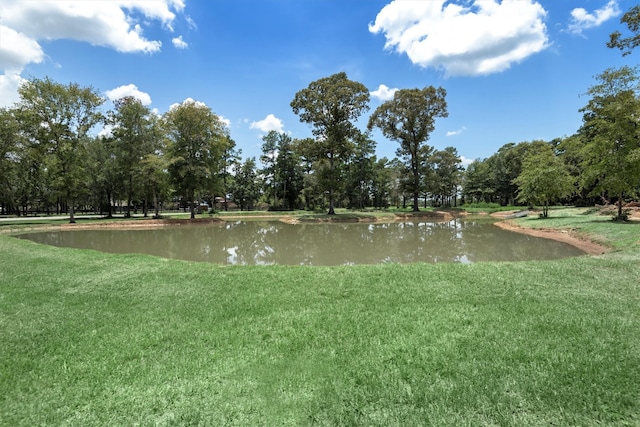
(52, 160)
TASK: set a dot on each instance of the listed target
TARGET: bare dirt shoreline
(588, 246)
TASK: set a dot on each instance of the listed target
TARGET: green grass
(488, 207)
(88, 338)
(590, 224)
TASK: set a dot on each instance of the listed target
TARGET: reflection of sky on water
(274, 242)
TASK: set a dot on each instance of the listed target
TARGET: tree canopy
(627, 44)
(544, 179)
(331, 104)
(409, 118)
(58, 119)
(612, 134)
(196, 143)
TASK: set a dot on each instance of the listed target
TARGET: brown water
(274, 242)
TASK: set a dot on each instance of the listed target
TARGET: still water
(274, 242)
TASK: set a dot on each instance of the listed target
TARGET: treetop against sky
(514, 70)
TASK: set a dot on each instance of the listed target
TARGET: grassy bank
(99, 339)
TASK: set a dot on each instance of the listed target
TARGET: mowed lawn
(88, 338)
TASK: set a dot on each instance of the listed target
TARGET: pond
(275, 242)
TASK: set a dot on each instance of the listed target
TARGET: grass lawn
(88, 338)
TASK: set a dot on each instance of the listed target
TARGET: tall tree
(305, 149)
(197, 139)
(382, 182)
(289, 173)
(9, 142)
(447, 174)
(246, 188)
(269, 159)
(153, 169)
(478, 182)
(331, 104)
(506, 165)
(360, 171)
(230, 161)
(134, 136)
(627, 44)
(59, 119)
(612, 134)
(544, 179)
(409, 118)
(104, 179)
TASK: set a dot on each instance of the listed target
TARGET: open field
(88, 338)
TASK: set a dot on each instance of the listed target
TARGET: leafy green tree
(134, 135)
(305, 149)
(59, 118)
(627, 44)
(197, 139)
(269, 159)
(331, 104)
(246, 187)
(289, 174)
(544, 179)
(409, 119)
(104, 178)
(612, 134)
(506, 165)
(478, 182)
(282, 171)
(155, 179)
(447, 174)
(9, 145)
(381, 183)
(230, 161)
(571, 151)
(360, 171)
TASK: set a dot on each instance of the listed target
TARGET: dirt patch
(564, 236)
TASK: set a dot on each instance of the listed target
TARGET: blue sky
(514, 70)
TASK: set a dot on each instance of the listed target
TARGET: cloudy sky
(514, 70)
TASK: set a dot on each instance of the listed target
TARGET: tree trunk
(620, 208)
(155, 204)
(109, 207)
(192, 206)
(331, 180)
(72, 217)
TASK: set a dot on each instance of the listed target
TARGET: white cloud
(102, 23)
(106, 131)
(267, 124)
(187, 102)
(465, 161)
(475, 37)
(583, 20)
(179, 43)
(456, 132)
(17, 49)
(9, 84)
(191, 23)
(128, 90)
(224, 121)
(384, 93)
(115, 24)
